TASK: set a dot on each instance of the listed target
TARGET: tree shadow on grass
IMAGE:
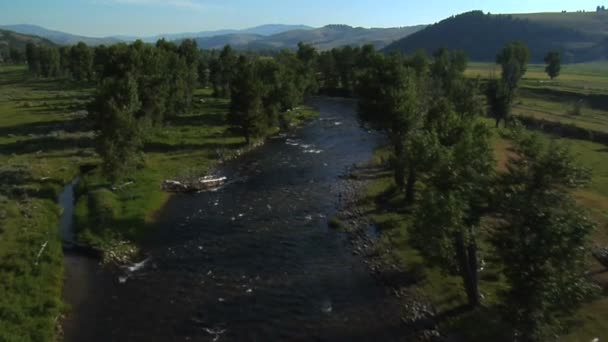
(19, 183)
(209, 119)
(46, 144)
(45, 127)
(156, 147)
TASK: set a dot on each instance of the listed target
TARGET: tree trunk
(398, 164)
(410, 188)
(467, 262)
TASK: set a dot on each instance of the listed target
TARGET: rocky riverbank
(417, 312)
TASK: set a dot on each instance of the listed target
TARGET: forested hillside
(16, 42)
(481, 35)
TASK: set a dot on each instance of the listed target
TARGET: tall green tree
(81, 62)
(553, 61)
(16, 56)
(49, 61)
(223, 70)
(246, 105)
(32, 54)
(120, 134)
(542, 237)
(389, 101)
(447, 67)
(446, 225)
(499, 101)
(513, 59)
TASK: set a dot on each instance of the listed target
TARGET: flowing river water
(254, 261)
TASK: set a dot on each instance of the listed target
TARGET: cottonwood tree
(222, 71)
(499, 101)
(554, 64)
(120, 134)
(513, 59)
(389, 101)
(446, 226)
(32, 55)
(246, 105)
(542, 236)
(81, 62)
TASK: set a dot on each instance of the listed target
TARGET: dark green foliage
(389, 100)
(447, 221)
(246, 106)
(513, 60)
(81, 62)
(32, 54)
(554, 64)
(49, 62)
(543, 237)
(447, 67)
(500, 94)
(120, 132)
(16, 56)
(222, 72)
(499, 101)
(141, 85)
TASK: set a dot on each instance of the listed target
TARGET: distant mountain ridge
(323, 38)
(63, 38)
(580, 37)
(266, 37)
(262, 30)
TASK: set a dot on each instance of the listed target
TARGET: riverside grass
(44, 140)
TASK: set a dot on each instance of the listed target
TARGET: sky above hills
(98, 18)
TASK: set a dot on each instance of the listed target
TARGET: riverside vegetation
(74, 109)
(133, 115)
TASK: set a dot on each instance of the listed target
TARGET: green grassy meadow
(41, 148)
(585, 85)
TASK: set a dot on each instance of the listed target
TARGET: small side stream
(83, 276)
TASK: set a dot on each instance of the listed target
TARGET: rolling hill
(580, 37)
(323, 38)
(10, 39)
(263, 30)
(58, 37)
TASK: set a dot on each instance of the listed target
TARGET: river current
(254, 261)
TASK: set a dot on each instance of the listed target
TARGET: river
(254, 261)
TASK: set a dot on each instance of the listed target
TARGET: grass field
(446, 292)
(41, 148)
(43, 142)
(578, 97)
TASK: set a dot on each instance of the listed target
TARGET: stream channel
(253, 261)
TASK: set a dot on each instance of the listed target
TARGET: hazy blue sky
(147, 17)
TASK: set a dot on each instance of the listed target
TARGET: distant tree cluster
(263, 89)
(140, 86)
(600, 9)
(47, 61)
